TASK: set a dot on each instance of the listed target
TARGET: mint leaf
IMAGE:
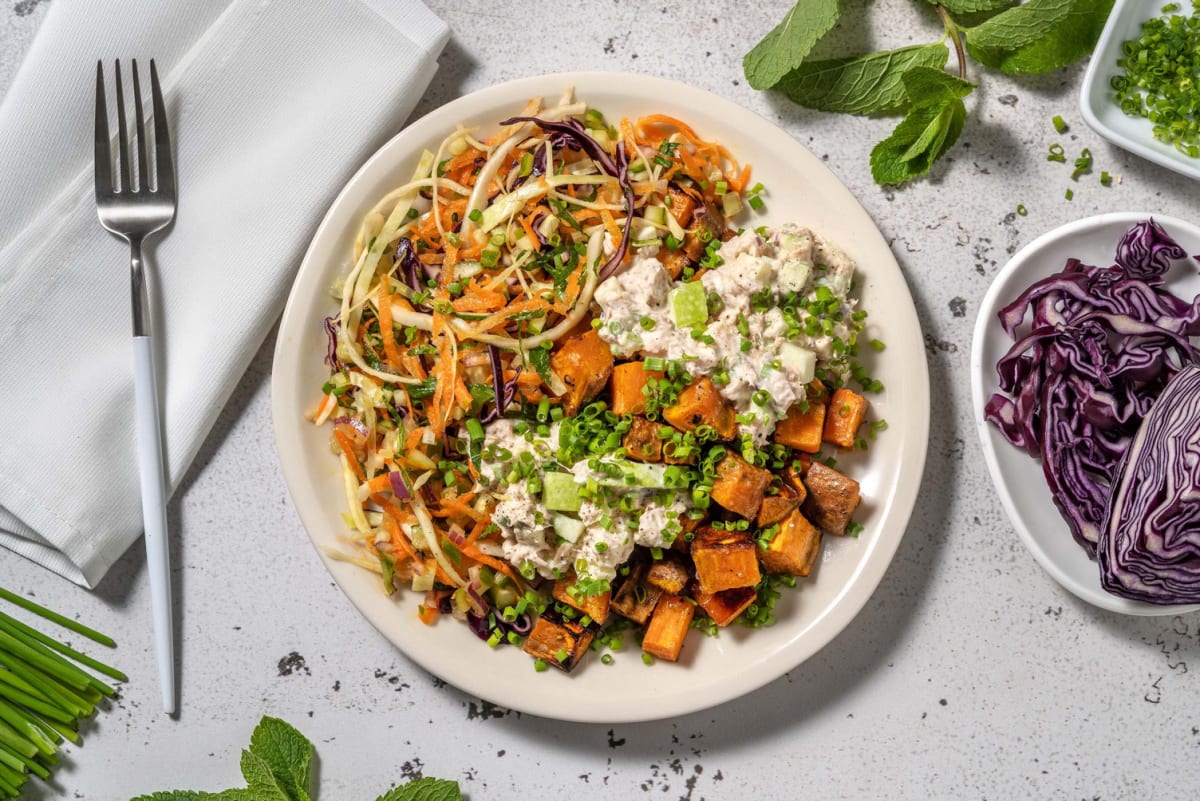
(789, 42)
(172, 795)
(1018, 26)
(929, 129)
(1039, 36)
(869, 84)
(970, 6)
(260, 781)
(925, 86)
(286, 755)
(424, 790)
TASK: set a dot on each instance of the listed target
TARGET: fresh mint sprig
(276, 768)
(1036, 36)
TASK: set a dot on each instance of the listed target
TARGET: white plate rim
(984, 383)
(896, 503)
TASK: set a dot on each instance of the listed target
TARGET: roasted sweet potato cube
(683, 542)
(669, 574)
(724, 606)
(641, 442)
(693, 245)
(794, 548)
(627, 387)
(681, 205)
(635, 599)
(674, 261)
(846, 412)
(724, 560)
(832, 498)
(668, 627)
(793, 476)
(701, 404)
(778, 503)
(560, 643)
(594, 606)
(584, 362)
(803, 427)
(739, 486)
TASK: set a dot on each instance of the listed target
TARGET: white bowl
(798, 187)
(1134, 134)
(1018, 478)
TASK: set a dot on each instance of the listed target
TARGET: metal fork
(134, 212)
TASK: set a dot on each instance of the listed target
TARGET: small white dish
(1018, 478)
(1134, 134)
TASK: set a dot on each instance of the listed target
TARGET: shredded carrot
(479, 300)
(479, 556)
(399, 541)
(502, 316)
(611, 225)
(427, 614)
(529, 232)
(739, 184)
(664, 119)
(348, 448)
(477, 532)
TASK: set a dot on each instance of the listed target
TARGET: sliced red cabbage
(1149, 547)
(1103, 343)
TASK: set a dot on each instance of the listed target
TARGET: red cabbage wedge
(1102, 345)
(1149, 547)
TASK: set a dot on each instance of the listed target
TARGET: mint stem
(952, 30)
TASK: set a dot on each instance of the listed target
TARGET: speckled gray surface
(969, 675)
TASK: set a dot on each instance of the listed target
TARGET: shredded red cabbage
(331, 335)
(503, 391)
(1103, 343)
(399, 488)
(570, 132)
(1149, 547)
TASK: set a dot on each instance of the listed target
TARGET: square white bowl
(1134, 134)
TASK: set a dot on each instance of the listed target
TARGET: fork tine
(164, 179)
(122, 136)
(104, 175)
(143, 178)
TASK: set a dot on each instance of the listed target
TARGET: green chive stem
(29, 702)
(55, 617)
(57, 693)
(11, 738)
(66, 650)
(54, 665)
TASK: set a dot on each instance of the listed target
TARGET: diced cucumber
(731, 203)
(801, 361)
(793, 275)
(560, 493)
(656, 214)
(568, 528)
(634, 475)
(689, 305)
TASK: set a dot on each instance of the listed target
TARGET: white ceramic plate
(1135, 134)
(1018, 479)
(799, 188)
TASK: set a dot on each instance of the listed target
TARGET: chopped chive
(1060, 125)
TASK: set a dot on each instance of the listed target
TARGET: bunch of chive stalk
(43, 694)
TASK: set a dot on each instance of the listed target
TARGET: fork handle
(154, 512)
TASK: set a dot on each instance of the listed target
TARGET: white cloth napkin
(273, 104)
